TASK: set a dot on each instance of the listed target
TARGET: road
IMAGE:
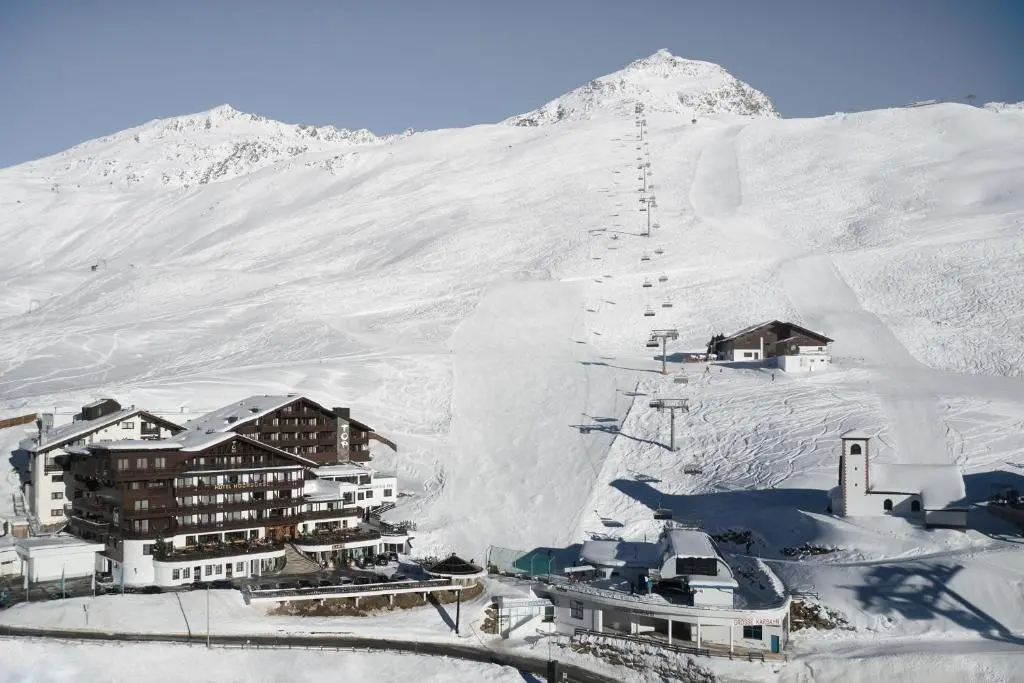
(474, 654)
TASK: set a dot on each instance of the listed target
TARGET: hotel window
(752, 632)
(274, 436)
(209, 570)
(218, 569)
(576, 609)
(122, 464)
(240, 567)
(175, 574)
(277, 422)
(160, 462)
(141, 525)
(128, 425)
(369, 494)
(186, 573)
(387, 493)
(142, 505)
(141, 464)
(57, 478)
(56, 513)
(57, 495)
(147, 548)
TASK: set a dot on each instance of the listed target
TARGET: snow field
(446, 287)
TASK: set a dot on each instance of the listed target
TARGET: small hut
(457, 569)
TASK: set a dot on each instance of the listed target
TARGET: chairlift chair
(652, 343)
(648, 312)
(693, 468)
(643, 208)
(659, 251)
(666, 304)
(663, 278)
(645, 257)
(615, 237)
(647, 284)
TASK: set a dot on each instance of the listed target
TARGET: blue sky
(71, 71)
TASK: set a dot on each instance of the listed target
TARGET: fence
(527, 562)
(15, 421)
(573, 673)
(582, 634)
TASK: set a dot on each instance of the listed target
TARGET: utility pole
(671, 405)
(458, 610)
(664, 336)
(207, 617)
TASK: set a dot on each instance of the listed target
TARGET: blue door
(775, 644)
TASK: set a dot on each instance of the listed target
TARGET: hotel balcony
(336, 540)
(240, 487)
(217, 550)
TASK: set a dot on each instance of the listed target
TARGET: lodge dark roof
(771, 323)
(455, 566)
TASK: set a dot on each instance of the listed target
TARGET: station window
(752, 632)
(576, 610)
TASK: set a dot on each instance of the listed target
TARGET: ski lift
(666, 304)
(659, 251)
(643, 208)
(652, 343)
(648, 312)
(656, 225)
(681, 379)
(663, 513)
(663, 278)
(647, 284)
(693, 468)
(615, 237)
(645, 257)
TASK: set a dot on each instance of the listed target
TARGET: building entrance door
(227, 570)
(197, 574)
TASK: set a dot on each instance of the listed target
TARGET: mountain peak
(194, 149)
(661, 82)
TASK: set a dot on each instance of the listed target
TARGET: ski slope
(461, 290)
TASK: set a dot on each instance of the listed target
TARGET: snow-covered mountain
(182, 151)
(477, 295)
(1015, 107)
(662, 83)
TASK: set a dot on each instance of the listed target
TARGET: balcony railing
(211, 551)
(144, 475)
(336, 513)
(240, 487)
(206, 508)
(337, 537)
(97, 523)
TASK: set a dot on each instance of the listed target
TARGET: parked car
(382, 561)
(265, 587)
(362, 580)
(323, 583)
(393, 556)
(222, 584)
(152, 590)
(304, 584)
(286, 585)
